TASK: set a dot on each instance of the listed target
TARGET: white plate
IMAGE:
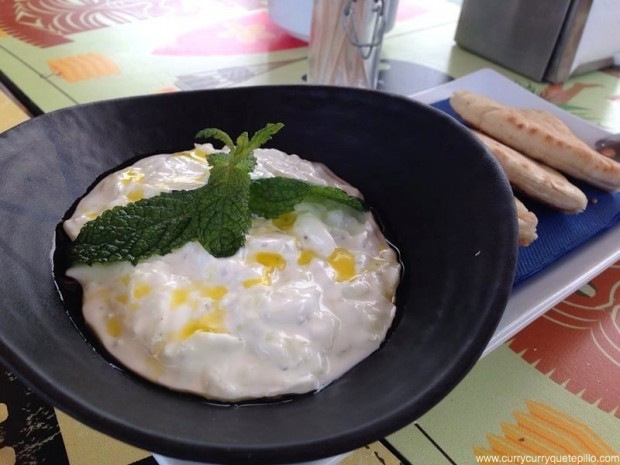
(536, 295)
(328, 461)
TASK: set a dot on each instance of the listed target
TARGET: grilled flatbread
(535, 179)
(539, 135)
(527, 224)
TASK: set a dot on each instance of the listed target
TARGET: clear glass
(345, 42)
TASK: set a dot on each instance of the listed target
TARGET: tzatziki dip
(308, 296)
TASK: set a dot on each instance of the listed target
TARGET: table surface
(552, 388)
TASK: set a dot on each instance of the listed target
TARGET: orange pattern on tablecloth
(586, 323)
(46, 23)
(83, 67)
(545, 431)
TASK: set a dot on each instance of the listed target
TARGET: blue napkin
(559, 233)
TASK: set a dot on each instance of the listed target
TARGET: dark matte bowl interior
(442, 199)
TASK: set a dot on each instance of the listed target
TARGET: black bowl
(441, 197)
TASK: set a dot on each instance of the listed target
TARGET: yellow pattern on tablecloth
(545, 431)
(11, 113)
(7, 454)
(87, 446)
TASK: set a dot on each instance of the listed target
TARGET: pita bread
(527, 224)
(536, 180)
(539, 135)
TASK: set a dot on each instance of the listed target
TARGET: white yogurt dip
(309, 296)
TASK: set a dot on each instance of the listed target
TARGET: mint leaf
(216, 134)
(262, 136)
(221, 210)
(137, 231)
(218, 159)
(272, 197)
(242, 155)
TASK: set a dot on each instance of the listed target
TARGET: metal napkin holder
(538, 39)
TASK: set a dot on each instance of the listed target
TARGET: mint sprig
(218, 215)
(221, 208)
